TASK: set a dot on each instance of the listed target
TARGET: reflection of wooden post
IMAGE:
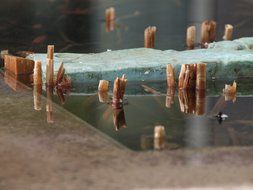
(208, 32)
(49, 106)
(37, 74)
(228, 34)
(170, 76)
(170, 97)
(190, 37)
(119, 119)
(200, 102)
(201, 76)
(159, 137)
(37, 92)
(103, 97)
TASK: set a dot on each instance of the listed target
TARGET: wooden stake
(37, 74)
(208, 32)
(123, 83)
(60, 74)
(170, 76)
(50, 52)
(103, 86)
(201, 76)
(181, 76)
(192, 79)
(116, 101)
(186, 77)
(190, 37)
(152, 36)
(159, 137)
(109, 19)
(147, 39)
(228, 34)
(49, 72)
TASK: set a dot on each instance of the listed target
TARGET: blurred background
(79, 25)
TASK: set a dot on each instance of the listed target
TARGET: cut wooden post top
(50, 51)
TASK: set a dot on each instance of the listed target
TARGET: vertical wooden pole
(170, 76)
(159, 137)
(37, 74)
(190, 37)
(228, 33)
(201, 76)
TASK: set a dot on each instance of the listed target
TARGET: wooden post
(159, 137)
(149, 37)
(201, 76)
(228, 34)
(153, 33)
(190, 37)
(110, 19)
(186, 77)
(208, 32)
(50, 52)
(103, 86)
(147, 40)
(116, 101)
(49, 72)
(37, 73)
(170, 76)
(181, 76)
(123, 83)
(192, 79)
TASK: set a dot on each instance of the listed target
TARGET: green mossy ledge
(225, 60)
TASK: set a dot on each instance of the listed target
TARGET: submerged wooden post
(170, 76)
(228, 33)
(159, 137)
(190, 37)
(208, 32)
(201, 76)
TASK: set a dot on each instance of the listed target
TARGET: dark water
(78, 25)
(191, 124)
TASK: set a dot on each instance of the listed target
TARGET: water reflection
(18, 82)
(49, 105)
(119, 119)
(37, 93)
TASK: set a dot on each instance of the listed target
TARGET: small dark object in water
(221, 117)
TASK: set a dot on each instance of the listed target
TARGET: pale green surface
(226, 59)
